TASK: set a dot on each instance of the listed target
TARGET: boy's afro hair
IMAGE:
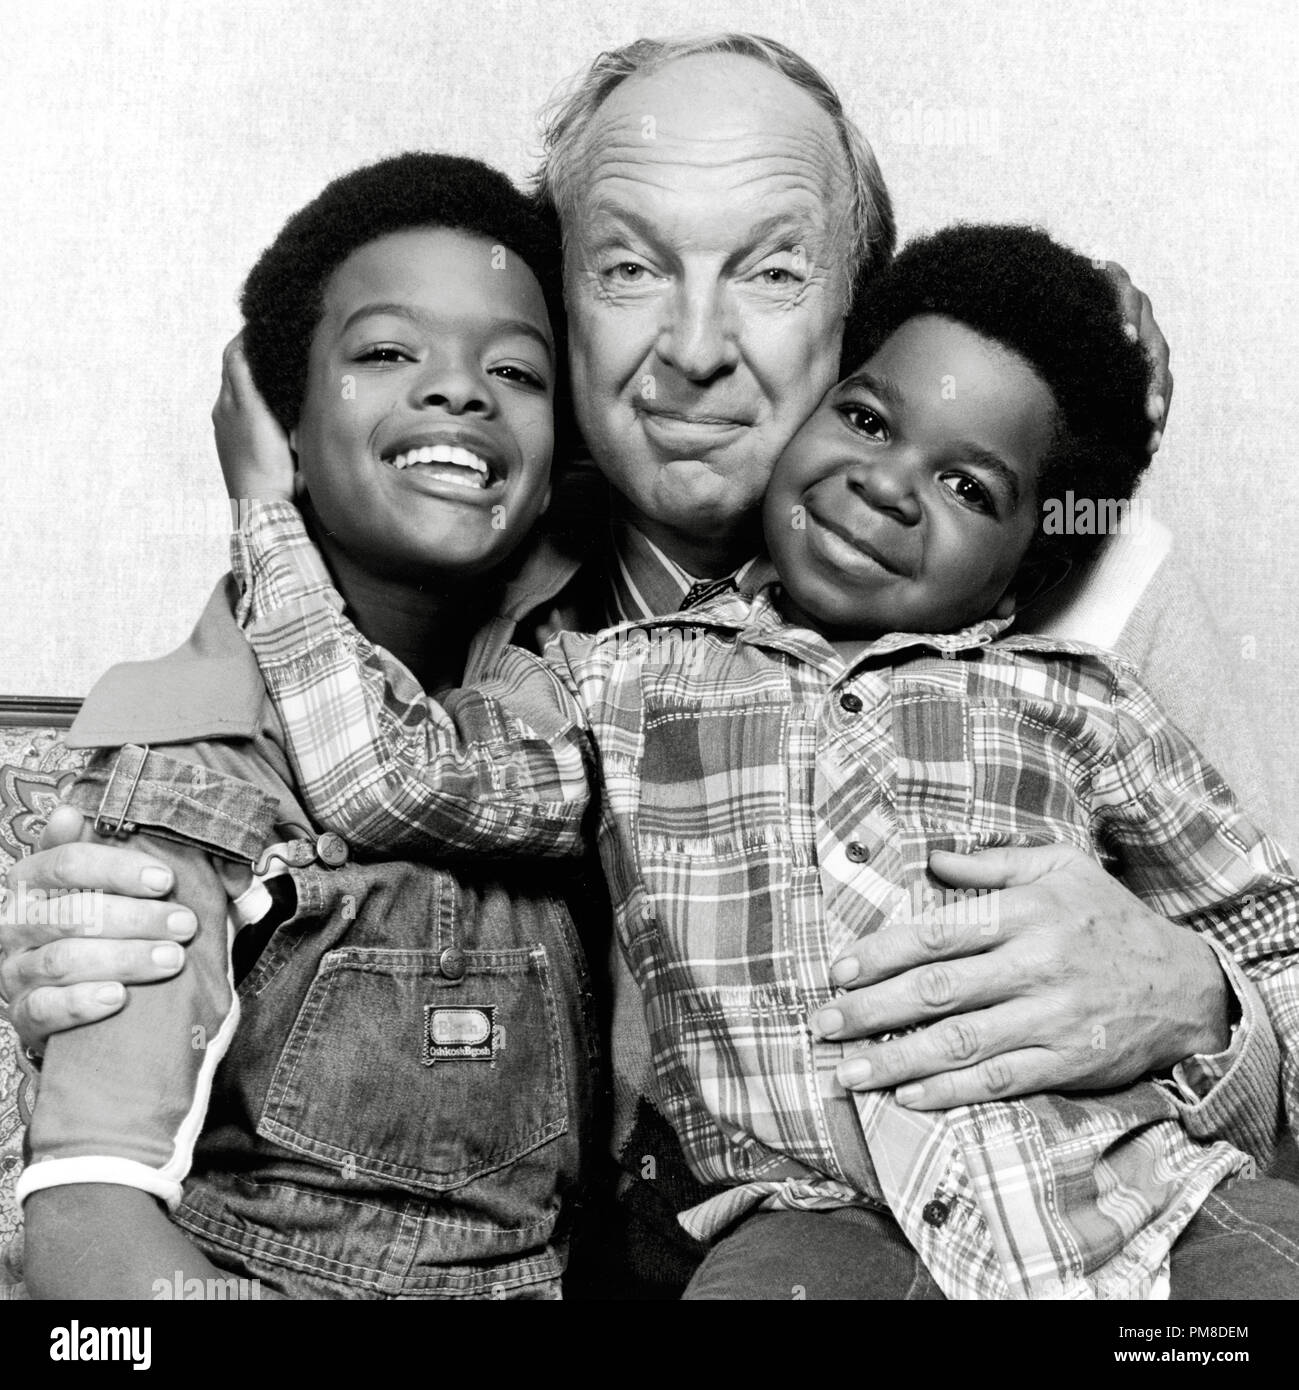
(283, 297)
(1057, 311)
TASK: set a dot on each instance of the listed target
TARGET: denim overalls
(401, 1111)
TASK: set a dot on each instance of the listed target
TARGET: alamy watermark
(940, 911)
(934, 126)
(215, 1288)
(83, 911)
(1095, 516)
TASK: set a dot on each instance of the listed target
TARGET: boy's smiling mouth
(849, 547)
(452, 463)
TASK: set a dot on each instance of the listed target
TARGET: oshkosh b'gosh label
(465, 1032)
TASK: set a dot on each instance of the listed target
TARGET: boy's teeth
(446, 453)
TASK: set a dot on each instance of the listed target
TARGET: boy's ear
(1034, 580)
(299, 487)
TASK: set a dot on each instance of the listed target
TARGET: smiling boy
(776, 775)
(415, 456)
(402, 1108)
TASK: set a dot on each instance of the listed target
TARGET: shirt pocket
(715, 779)
(396, 1071)
(1031, 764)
(934, 774)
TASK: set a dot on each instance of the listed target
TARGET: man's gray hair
(871, 229)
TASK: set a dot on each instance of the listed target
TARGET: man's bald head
(868, 227)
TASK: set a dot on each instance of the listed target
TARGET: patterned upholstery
(34, 768)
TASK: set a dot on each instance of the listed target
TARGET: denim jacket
(406, 1107)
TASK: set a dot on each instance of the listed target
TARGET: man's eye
(779, 275)
(970, 491)
(628, 273)
(526, 377)
(383, 352)
(864, 420)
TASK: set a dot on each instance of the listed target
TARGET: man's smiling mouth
(692, 418)
(683, 433)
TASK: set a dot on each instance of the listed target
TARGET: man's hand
(256, 459)
(1142, 326)
(1060, 979)
(67, 952)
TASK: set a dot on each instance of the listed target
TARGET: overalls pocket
(423, 1069)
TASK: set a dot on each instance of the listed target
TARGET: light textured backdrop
(152, 149)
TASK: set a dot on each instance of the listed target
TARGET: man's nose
(888, 484)
(697, 336)
(453, 383)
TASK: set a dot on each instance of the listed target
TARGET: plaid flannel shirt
(763, 807)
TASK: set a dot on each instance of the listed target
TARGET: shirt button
(452, 963)
(857, 852)
(850, 702)
(935, 1213)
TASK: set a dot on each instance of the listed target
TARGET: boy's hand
(256, 459)
(1142, 326)
(1059, 979)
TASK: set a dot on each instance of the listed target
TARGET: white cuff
(120, 1172)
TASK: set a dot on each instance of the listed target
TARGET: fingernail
(1157, 408)
(910, 1095)
(167, 955)
(1156, 440)
(159, 880)
(827, 1021)
(845, 970)
(856, 1073)
(1130, 329)
(109, 994)
(181, 925)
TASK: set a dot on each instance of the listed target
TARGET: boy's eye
(970, 491)
(383, 352)
(510, 371)
(864, 420)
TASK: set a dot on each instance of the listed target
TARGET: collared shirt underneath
(644, 582)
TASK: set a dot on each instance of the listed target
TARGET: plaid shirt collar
(758, 620)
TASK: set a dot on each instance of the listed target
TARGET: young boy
(403, 1107)
(776, 773)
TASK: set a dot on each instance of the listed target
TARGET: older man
(719, 213)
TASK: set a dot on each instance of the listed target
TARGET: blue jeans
(1242, 1244)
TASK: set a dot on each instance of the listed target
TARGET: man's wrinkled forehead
(719, 125)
